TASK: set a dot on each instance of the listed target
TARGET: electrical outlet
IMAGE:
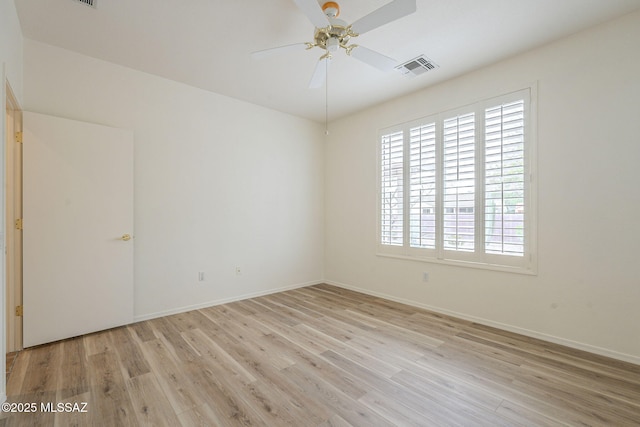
(425, 276)
(201, 276)
(238, 271)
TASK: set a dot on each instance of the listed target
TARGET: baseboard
(506, 327)
(198, 306)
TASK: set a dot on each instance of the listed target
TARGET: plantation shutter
(504, 179)
(459, 187)
(392, 189)
(422, 190)
(459, 183)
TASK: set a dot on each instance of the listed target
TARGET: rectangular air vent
(417, 66)
(91, 3)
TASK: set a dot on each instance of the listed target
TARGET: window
(457, 187)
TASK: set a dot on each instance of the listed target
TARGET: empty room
(312, 213)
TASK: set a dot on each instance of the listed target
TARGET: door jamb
(13, 211)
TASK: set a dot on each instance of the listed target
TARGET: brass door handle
(126, 237)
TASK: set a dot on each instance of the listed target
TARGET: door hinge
(19, 224)
(19, 137)
(19, 310)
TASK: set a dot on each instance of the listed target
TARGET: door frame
(13, 211)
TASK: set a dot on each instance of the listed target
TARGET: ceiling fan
(332, 33)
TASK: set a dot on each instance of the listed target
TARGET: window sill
(529, 271)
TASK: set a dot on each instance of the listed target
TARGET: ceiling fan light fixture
(332, 44)
(331, 9)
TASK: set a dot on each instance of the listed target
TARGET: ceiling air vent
(91, 3)
(416, 66)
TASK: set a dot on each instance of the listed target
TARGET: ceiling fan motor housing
(337, 30)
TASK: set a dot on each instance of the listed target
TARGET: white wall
(219, 183)
(587, 291)
(11, 46)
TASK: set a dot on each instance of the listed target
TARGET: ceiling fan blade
(261, 54)
(320, 73)
(314, 12)
(387, 13)
(373, 58)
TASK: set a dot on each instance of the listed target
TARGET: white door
(78, 205)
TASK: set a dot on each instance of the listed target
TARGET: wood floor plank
(130, 357)
(335, 421)
(77, 415)
(621, 413)
(200, 416)
(110, 403)
(44, 364)
(334, 328)
(170, 333)
(463, 393)
(362, 357)
(97, 342)
(244, 396)
(524, 416)
(319, 356)
(519, 394)
(150, 405)
(304, 303)
(250, 343)
(349, 409)
(398, 413)
(374, 381)
(288, 301)
(214, 354)
(171, 377)
(428, 404)
(276, 306)
(143, 330)
(235, 314)
(73, 380)
(18, 373)
(295, 335)
(224, 319)
(399, 334)
(562, 357)
(271, 407)
(319, 367)
(276, 315)
(626, 392)
(592, 362)
(223, 404)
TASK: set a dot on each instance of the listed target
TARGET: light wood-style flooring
(319, 356)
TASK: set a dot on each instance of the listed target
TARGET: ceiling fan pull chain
(326, 99)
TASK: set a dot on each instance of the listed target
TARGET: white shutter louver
(504, 179)
(422, 190)
(392, 189)
(459, 183)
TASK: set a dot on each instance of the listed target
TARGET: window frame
(479, 258)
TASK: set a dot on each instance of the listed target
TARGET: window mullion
(439, 189)
(406, 189)
(480, 181)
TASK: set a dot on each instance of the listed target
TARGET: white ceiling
(207, 43)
